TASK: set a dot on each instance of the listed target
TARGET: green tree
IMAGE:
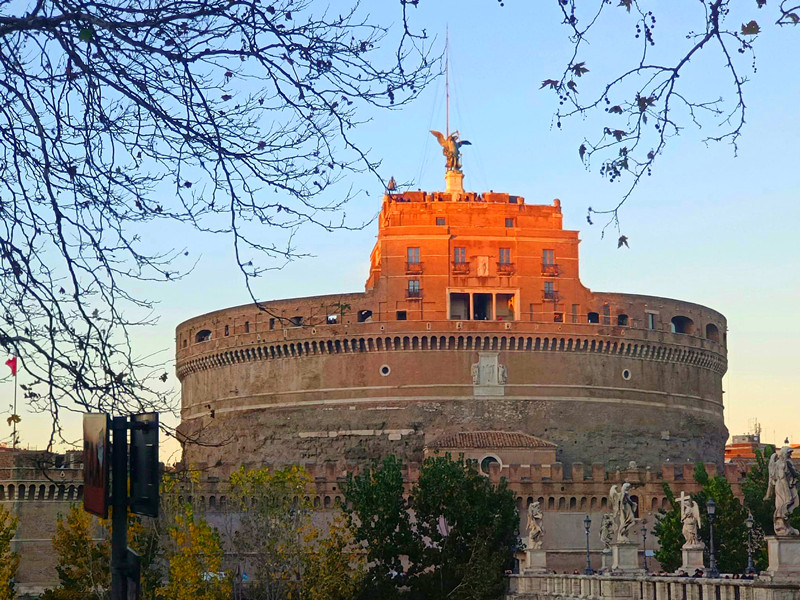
(82, 560)
(377, 510)
(9, 560)
(458, 543)
(730, 531)
(268, 522)
(668, 530)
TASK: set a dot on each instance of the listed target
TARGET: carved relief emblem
(488, 371)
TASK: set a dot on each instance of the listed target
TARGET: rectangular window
(272, 323)
(413, 287)
(549, 288)
(332, 319)
(651, 320)
(505, 256)
(401, 315)
(509, 222)
(413, 256)
(247, 326)
(548, 257)
(606, 314)
(558, 317)
(576, 311)
(459, 255)
(440, 221)
(227, 330)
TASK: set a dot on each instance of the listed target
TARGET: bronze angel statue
(783, 486)
(451, 148)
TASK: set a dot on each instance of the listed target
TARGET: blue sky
(707, 226)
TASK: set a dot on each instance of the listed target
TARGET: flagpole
(14, 433)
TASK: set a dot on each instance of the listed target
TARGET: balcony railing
(413, 268)
(461, 268)
(414, 294)
(550, 270)
(551, 295)
(506, 268)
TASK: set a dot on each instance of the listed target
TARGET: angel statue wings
(535, 530)
(451, 148)
(783, 486)
(623, 510)
(690, 517)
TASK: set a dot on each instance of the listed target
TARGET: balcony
(550, 271)
(413, 268)
(506, 268)
(551, 296)
(413, 294)
(461, 268)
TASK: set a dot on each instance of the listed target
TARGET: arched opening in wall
(316, 502)
(654, 504)
(681, 324)
(11, 493)
(573, 503)
(593, 317)
(21, 492)
(603, 502)
(327, 502)
(202, 336)
(364, 316)
(583, 502)
(540, 500)
(712, 332)
(51, 492)
(486, 463)
(622, 320)
(551, 503)
(635, 500)
(665, 504)
(2, 493)
(593, 503)
(562, 503)
(43, 492)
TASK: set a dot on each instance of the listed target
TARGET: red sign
(96, 457)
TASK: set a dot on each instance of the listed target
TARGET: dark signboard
(145, 476)
(96, 457)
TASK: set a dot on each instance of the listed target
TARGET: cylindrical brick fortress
(609, 378)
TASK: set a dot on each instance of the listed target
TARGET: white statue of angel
(535, 530)
(690, 517)
(783, 485)
(623, 508)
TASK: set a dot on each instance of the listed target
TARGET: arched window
(486, 462)
(712, 332)
(681, 324)
(203, 335)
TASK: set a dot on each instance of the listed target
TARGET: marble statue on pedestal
(623, 507)
(782, 485)
(690, 517)
(535, 530)
(607, 531)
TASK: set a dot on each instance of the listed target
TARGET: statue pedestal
(625, 559)
(784, 557)
(454, 182)
(536, 561)
(693, 559)
(605, 565)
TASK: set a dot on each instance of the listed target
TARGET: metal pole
(119, 508)
(14, 432)
(751, 568)
(588, 570)
(712, 559)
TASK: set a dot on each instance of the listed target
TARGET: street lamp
(644, 544)
(750, 570)
(587, 523)
(711, 508)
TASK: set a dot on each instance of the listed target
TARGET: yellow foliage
(9, 561)
(195, 561)
(334, 565)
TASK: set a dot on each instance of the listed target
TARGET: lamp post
(644, 544)
(711, 508)
(750, 570)
(587, 523)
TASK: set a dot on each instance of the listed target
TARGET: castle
(474, 335)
